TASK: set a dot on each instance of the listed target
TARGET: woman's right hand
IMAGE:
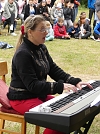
(69, 87)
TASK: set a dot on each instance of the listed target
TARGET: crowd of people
(60, 14)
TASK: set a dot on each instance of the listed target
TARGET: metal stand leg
(86, 126)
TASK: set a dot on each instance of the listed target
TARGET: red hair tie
(22, 29)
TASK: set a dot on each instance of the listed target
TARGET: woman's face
(38, 35)
(83, 21)
(48, 1)
(35, 1)
(43, 3)
(30, 2)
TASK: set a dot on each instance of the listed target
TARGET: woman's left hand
(80, 85)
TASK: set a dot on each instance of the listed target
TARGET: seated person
(10, 13)
(21, 6)
(96, 32)
(85, 28)
(50, 35)
(68, 13)
(31, 65)
(30, 9)
(74, 30)
(56, 12)
(83, 14)
(60, 30)
(42, 9)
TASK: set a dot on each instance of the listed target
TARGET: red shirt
(59, 31)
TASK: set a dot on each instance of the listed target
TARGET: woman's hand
(70, 87)
(80, 84)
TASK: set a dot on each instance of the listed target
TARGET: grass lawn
(77, 57)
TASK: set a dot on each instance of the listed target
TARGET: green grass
(81, 58)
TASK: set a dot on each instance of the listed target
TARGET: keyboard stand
(86, 127)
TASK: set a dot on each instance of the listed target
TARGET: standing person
(30, 66)
(0, 13)
(2, 3)
(10, 13)
(96, 32)
(76, 5)
(97, 10)
(91, 6)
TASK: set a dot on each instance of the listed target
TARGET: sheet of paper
(96, 101)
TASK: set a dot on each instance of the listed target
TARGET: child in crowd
(50, 35)
(97, 32)
(85, 29)
(57, 12)
(60, 30)
(74, 30)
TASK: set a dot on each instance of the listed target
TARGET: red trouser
(23, 106)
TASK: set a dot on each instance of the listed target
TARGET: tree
(84, 3)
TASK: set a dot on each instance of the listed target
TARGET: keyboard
(69, 111)
(74, 97)
(66, 100)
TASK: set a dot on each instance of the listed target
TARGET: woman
(85, 28)
(68, 14)
(10, 13)
(21, 5)
(30, 66)
(42, 9)
(30, 9)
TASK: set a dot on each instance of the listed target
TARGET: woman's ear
(29, 32)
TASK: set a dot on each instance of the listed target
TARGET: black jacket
(68, 13)
(27, 11)
(43, 9)
(30, 66)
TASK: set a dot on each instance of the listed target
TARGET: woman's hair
(31, 22)
(66, 2)
(40, 4)
(48, 23)
(83, 15)
(56, 2)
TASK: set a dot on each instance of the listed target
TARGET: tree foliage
(84, 3)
